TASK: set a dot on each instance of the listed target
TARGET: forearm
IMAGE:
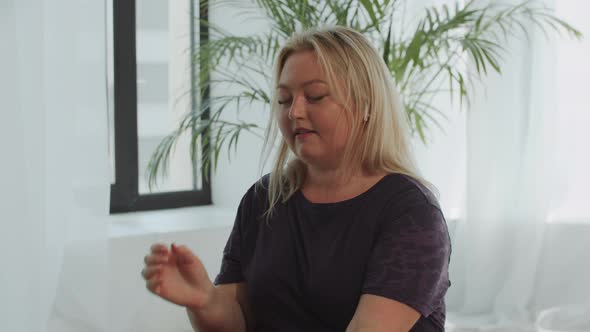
(219, 315)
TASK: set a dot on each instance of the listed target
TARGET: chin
(306, 157)
(312, 159)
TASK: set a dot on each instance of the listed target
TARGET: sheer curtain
(511, 177)
(54, 175)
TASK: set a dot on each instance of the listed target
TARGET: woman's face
(312, 123)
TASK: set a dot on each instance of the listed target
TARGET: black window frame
(125, 195)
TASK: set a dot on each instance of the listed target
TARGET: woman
(342, 234)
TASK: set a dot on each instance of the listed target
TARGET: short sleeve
(231, 263)
(410, 258)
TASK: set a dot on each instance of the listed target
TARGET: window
(151, 87)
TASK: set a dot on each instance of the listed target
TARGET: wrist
(205, 301)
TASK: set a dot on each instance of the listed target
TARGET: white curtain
(54, 174)
(511, 177)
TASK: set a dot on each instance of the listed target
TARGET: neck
(332, 185)
(332, 179)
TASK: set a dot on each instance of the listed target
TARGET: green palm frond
(448, 50)
(434, 56)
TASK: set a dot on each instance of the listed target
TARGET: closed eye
(311, 99)
(315, 98)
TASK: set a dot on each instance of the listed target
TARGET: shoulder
(258, 190)
(255, 198)
(412, 211)
(406, 194)
(412, 223)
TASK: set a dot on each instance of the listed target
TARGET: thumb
(183, 254)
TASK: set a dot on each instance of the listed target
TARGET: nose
(298, 108)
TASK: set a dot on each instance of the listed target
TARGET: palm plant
(425, 61)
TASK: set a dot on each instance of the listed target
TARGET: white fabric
(511, 177)
(54, 177)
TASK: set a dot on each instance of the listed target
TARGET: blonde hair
(379, 137)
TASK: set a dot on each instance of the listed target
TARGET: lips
(299, 131)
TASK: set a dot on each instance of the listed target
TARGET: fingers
(154, 285)
(151, 271)
(158, 254)
(153, 266)
(159, 248)
(152, 276)
(184, 254)
(154, 259)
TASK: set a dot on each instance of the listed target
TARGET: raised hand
(177, 275)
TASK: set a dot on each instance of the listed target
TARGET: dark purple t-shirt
(307, 268)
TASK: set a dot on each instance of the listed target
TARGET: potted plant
(425, 61)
